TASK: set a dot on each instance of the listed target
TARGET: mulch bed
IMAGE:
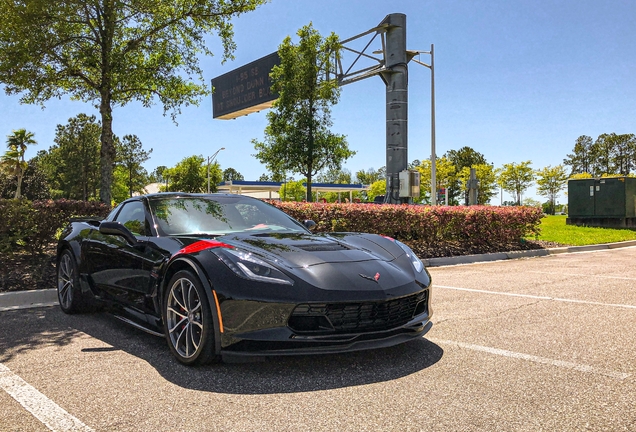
(23, 271)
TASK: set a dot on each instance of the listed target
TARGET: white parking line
(535, 359)
(42, 408)
(536, 297)
(583, 275)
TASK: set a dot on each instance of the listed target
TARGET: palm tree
(13, 159)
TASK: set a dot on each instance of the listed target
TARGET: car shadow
(33, 329)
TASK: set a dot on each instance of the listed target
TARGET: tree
(623, 153)
(72, 165)
(445, 176)
(602, 155)
(34, 183)
(531, 202)
(583, 175)
(464, 157)
(13, 160)
(119, 190)
(190, 175)
(111, 53)
(376, 188)
(230, 174)
(550, 182)
(414, 164)
(487, 178)
(130, 156)
(580, 160)
(516, 179)
(272, 177)
(297, 137)
(369, 176)
(156, 176)
(337, 176)
(610, 154)
(293, 190)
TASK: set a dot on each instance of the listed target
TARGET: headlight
(418, 265)
(247, 266)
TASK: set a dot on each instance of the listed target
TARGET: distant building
(269, 190)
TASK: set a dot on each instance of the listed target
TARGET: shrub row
(32, 225)
(484, 228)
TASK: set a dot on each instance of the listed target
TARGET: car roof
(161, 195)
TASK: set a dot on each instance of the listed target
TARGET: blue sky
(515, 80)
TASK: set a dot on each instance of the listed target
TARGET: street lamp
(211, 159)
(433, 157)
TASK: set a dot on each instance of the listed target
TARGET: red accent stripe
(202, 245)
(387, 237)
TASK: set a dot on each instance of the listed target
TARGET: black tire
(188, 322)
(69, 292)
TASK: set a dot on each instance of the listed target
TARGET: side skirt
(139, 326)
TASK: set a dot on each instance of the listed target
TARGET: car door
(118, 268)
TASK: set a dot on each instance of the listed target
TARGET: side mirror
(310, 225)
(116, 228)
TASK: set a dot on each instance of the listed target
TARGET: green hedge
(32, 225)
(484, 228)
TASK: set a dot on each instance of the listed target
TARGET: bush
(483, 228)
(33, 225)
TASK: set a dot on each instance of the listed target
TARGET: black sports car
(223, 275)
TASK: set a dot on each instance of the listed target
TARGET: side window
(133, 217)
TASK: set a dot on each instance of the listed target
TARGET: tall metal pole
(211, 159)
(433, 156)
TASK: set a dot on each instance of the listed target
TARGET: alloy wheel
(184, 317)
(65, 281)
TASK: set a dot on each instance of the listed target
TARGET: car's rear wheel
(188, 320)
(69, 292)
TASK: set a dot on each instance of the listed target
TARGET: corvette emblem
(371, 278)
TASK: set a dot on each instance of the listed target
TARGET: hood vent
(322, 247)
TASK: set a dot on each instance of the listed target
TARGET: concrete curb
(470, 259)
(48, 297)
(28, 299)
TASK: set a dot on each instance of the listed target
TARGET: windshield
(219, 215)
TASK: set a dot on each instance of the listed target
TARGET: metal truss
(353, 71)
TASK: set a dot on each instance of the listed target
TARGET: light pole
(211, 159)
(433, 157)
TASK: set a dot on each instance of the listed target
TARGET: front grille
(331, 318)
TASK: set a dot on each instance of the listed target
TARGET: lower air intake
(334, 318)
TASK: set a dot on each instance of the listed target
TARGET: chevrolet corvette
(221, 275)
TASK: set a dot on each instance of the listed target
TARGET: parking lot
(531, 344)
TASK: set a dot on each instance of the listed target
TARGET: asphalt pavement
(537, 343)
(48, 297)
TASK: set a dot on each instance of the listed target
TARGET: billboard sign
(244, 90)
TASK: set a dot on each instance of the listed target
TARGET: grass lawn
(554, 229)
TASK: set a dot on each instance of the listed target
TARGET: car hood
(303, 250)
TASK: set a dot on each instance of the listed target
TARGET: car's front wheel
(69, 292)
(189, 326)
